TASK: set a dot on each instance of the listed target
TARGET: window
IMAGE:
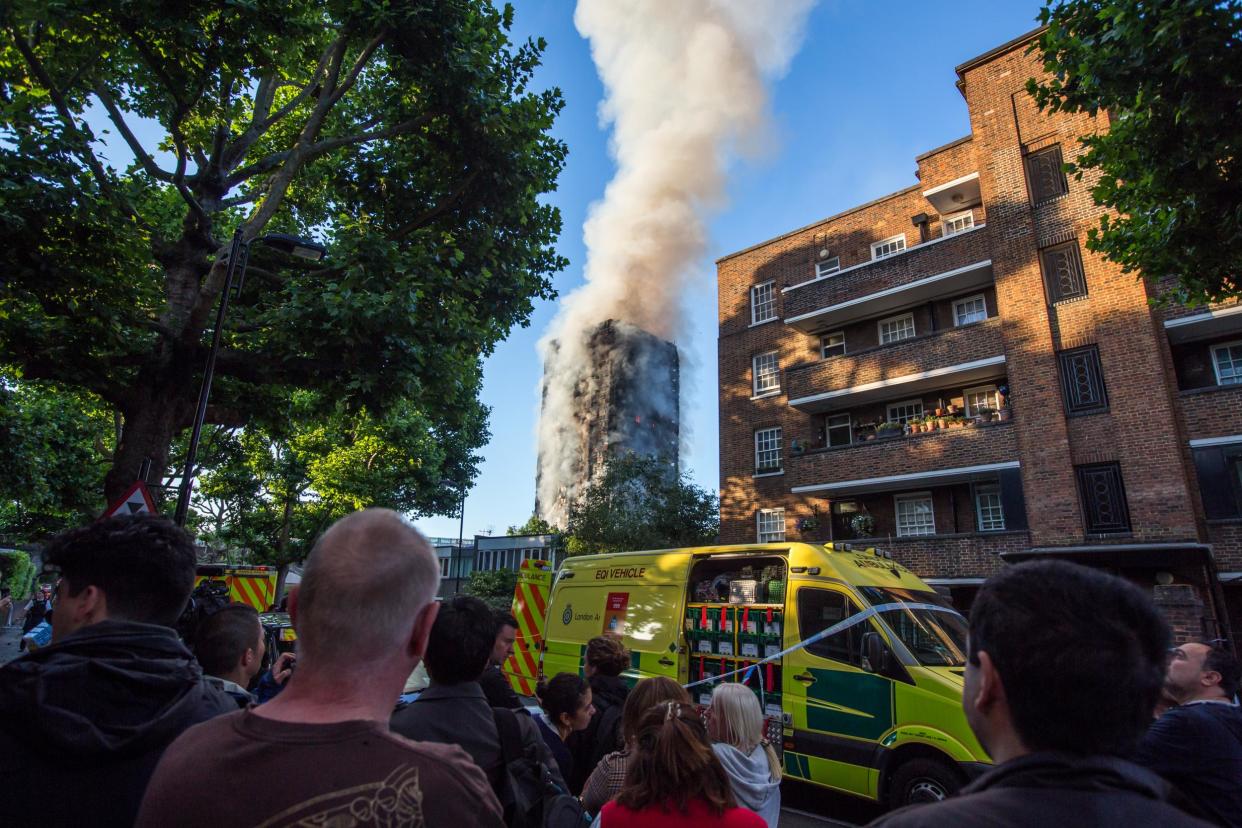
(957, 222)
(977, 399)
(915, 515)
(1220, 480)
(968, 310)
(988, 508)
(1103, 498)
(444, 567)
(832, 344)
(896, 328)
(819, 609)
(839, 431)
(1082, 380)
(1063, 274)
(888, 247)
(768, 450)
(762, 302)
(766, 373)
(1227, 360)
(827, 267)
(1043, 171)
(771, 524)
(905, 411)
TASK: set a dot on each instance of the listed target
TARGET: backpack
(526, 792)
(607, 736)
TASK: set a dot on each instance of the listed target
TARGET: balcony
(955, 356)
(957, 455)
(938, 268)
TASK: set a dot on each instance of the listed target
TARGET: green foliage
(1169, 73)
(641, 503)
(534, 525)
(54, 447)
(494, 587)
(17, 572)
(403, 134)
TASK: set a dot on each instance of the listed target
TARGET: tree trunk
(155, 410)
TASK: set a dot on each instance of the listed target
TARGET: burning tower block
(620, 396)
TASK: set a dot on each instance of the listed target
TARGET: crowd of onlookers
(117, 722)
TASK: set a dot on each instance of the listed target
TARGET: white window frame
(883, 243)
(898, 500)
(957, 322)
(990, 524)
(888, 414)
(901, 317)
(827, 267)
(761, 453)
(1236, 367)
(772, 517)
(774, 374)
(756, 304)
(971, 410)
(824, 347)
(849, 428)
(947, 223)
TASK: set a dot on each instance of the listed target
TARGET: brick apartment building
(1079, 421)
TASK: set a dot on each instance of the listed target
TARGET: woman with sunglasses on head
(674, 780)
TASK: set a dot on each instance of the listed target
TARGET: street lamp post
(239, 252)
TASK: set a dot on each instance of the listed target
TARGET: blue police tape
(833, 630)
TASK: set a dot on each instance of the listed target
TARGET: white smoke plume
(684, 92)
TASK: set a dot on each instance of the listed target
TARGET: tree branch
(114, 114)
(435, 211)
(363, 59)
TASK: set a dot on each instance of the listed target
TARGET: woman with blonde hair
(735, 724)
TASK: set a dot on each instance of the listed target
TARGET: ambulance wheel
(922, 780)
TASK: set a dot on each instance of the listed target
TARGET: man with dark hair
(493, 681)
(1198, 744)
(454, 709)
(1064, 665)
(230, 645)
(84, 721)
(321, 753)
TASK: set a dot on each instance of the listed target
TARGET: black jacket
(498, 690)
(1052, 789)
(602, 736)
(84, 721)
(1198, 747)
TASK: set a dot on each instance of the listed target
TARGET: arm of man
(1170, 747)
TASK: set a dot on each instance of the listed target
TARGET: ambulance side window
(819, 609)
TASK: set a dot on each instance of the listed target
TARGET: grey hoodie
(752, 780)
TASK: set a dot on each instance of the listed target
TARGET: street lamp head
(295, 246)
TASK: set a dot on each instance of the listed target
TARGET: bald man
(321, 752)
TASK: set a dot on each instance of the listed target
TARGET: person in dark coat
(38, 608)
(1198, 744)
(84, 721)
(495, 684)
(606, 659)
(1064, 665)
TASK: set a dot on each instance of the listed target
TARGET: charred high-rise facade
(614, 392)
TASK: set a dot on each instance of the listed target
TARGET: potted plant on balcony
(886, 430)
(862, 524)
(983, 414)
(808, 524)
(864, 431)
(796, 447)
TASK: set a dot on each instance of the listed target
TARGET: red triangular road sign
(136, 501)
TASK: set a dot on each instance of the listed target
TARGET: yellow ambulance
(872, 709)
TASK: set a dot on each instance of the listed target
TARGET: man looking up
(1198, 745)
(363, 612)
(84, 721)
(494, 683)
(1064, 665)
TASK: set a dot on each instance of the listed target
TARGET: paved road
(9, 638)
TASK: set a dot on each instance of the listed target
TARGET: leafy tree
(401, 133)
(267, 494)
(17, 572)
(641, 502)
(55, 445)
(1169, 73)
(534, 525)
(495, 587)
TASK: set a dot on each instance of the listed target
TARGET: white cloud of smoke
(684, 91)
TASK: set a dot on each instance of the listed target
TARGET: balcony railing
(898, 369)
(938, 257)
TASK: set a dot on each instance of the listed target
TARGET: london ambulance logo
(567, 615)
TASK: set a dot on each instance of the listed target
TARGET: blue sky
(871, 87)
